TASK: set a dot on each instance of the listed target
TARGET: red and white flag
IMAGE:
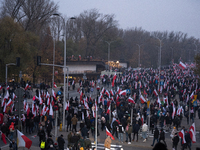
(33, 110)
(143, 100)
(14, 96)
(155, 92)
(27, 109)
(67, 105)
(81, 95)
(40, 99)
(103, 90)
(54, 85)
(182, 65)
(1, 87)
(182, 135)
(83, 118)
(123, 92)
(109, 134)
(130, 100)
(23, 141)
(158, 101)
(107, 93)
(27, 86)
(8, 87)
(192, 95)
(174, 110)
(193, 133)
(108, 110)
(54, 94)
(113, 81)
(111, 92)
(10, 102)
(48, 101)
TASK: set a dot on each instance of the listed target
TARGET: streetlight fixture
(139, 54)
(65, 40)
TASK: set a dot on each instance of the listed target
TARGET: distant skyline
(150, 15)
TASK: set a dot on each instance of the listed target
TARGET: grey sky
(151, 15)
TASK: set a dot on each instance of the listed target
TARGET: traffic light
(17, 61)
(39, 60)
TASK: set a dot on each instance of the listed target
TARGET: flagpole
(96, 127)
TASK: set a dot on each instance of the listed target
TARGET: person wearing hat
(174, 130)
(175, 141)
(13, 145)
(61, 142)
(12, 130)
(49, 142)
(74, 123)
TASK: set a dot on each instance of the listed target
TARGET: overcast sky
(151, 15)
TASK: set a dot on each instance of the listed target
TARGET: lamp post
(109, 52)
(139, 54)
(196, 48)
(160, 40)
(65, 54)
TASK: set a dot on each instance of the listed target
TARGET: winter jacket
(61, 142)
(175, 140)
(107, 142)
(144, 127)
(74, 120)
(156, 133)
(136, 128)
(121, 129)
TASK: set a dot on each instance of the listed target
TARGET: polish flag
(27, 109)
(73, 82)
(182, 65)
(111, 92)
(117, 98)
(48, 101)
(107, 93)
(3, 136)
(142, 99)
(3, 102)
(43, 110)
(166, 101)
(108, 110)
(193, 133)
(145, 93)
(135, 85)
(114, 78)
(158, 101)
(54, 94)
(123, 92)
(47, 95)
(1, 87)
(81, 95)
(88, 113)
(10, 102)
(33, 110)
(118, 90)
(51, 110)
(192, 95)
(40, 99)
(8, 87)
(130, 100)
(23, 141)
(67, 105)
(12, 107)
(4, 108)
(182, 135)
(6, 96)
(109, 134)
(155, 92)
(24, 105)
(54, 85)
(79, 57)
(142, 119)
(93, 113)
(103, 90)
(27, 86)
(14, 96)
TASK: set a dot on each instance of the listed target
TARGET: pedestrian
(129, 131)
(175, 141)
(173, 132)
(144, 131)
(121, 132)
(51, 147)
(155, 136)
(69, 122)
(84, 132)
(162, 136)
(74, 123)
(61, 142)
(136, 129)
(41, 134)
(160, 146)
(12, 130)
(81, 143)
(88, 144)
(103, 121)
(13, 145)
(48, 127)
(49, 142)
(107, 143)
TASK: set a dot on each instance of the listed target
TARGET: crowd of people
(122, 112)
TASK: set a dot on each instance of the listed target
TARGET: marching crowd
(121, 112)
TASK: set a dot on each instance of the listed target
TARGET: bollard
(60, 127)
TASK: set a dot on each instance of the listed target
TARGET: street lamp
(160, 40)
(139, 54)
(109, 52)
(65, 34)
(196, 48)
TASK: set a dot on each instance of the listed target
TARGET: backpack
(42, 145)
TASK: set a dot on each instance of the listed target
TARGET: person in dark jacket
(61, 142)
(123, 121)
(156, 135)
(175, 141)
(49, 142)
(48, 127)
(69, 122)
(13, 145)
(136, 128)
(41, 134)
(162, 136)
(84, 132)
